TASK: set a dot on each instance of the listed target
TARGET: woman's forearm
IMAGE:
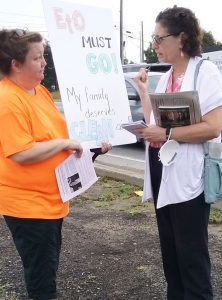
(208, 129)
(146, 105)
(44, 150)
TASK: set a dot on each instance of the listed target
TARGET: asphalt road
(135, 151)
(130, 156)
(123, 163)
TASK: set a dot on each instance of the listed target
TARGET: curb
(128, 175)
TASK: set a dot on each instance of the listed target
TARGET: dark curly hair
(15, 45)
(178, 20)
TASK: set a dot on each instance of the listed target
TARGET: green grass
(56, 95)
(113, 190)
(215, 216)
(110, 193)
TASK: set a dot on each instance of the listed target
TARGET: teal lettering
(92, 130)
(103, 62)
(91, 63)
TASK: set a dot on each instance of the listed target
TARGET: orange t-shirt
(29, 190)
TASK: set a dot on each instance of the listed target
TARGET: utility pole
(121, 31)
(141, 44)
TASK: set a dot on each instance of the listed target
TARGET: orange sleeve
(15, 134)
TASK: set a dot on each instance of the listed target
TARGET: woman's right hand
(142, 79)
(142, 82)
(74, 146)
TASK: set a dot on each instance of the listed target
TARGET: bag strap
(197, 72)
(206, 144)
(206, 148)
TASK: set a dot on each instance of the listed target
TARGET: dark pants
(184, 242)
(38, 242)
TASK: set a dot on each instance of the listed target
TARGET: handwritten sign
(89, 72)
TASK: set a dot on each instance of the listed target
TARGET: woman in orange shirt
(33, 142)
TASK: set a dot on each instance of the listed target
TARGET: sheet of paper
(75, 175)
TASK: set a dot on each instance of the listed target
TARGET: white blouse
(182, 180)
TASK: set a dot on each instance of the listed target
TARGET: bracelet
(168, 132)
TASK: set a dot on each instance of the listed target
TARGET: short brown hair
(15, 45)
(178, 20)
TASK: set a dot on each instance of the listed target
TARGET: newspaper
(75, 175)
(176, 109)
(134, 125)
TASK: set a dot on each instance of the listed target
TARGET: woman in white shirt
(177, 190)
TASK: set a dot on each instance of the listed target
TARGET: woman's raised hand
(142, 79)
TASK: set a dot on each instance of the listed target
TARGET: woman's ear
(15, 66)
(183, 38)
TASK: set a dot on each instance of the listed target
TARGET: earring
(181, 51)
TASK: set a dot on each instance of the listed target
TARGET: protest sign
(89, 72)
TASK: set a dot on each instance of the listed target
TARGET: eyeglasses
(158, 39)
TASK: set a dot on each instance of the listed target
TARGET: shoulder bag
(212, 164)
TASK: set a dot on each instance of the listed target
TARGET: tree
(209, 43)
(50, 79)
(208, 39)
(150, 55)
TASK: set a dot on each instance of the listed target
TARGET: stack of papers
(134, 125)
(75, 175)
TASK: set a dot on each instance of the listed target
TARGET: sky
(29, 14)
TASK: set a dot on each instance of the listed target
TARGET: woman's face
(167, 48)
(31, 72)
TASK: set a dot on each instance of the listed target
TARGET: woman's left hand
(105, 147)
